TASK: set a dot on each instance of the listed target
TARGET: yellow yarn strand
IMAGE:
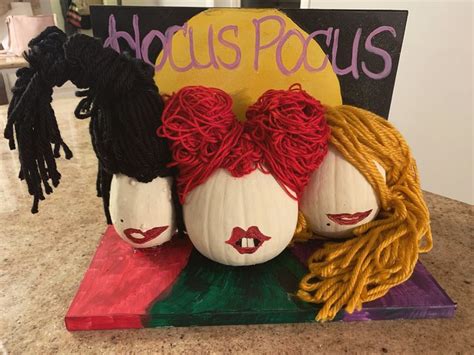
(303, 231)
(383, 252)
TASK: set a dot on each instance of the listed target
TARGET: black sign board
(339, 56)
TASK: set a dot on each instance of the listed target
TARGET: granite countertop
(43, 258)
(12, 62)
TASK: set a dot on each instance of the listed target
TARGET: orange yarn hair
(383, 252)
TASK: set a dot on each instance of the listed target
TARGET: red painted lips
(247, 242)
(346, 219)
(139, 237)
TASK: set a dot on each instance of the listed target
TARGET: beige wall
(35, 4)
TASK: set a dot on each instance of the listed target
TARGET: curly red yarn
(285, 134)
(290, 129)
(202, 129)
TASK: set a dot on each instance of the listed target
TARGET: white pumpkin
(338, 197)
(142, 213)
(240, 221)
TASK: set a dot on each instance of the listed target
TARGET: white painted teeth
(138, 236)
(247, 243)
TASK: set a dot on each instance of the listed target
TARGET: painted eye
(121, 220)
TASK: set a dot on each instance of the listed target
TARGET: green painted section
(207, 293)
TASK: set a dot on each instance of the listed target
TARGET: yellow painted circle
(246, 82)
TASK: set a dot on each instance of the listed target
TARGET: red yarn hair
(285, 135)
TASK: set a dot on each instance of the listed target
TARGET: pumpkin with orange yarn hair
(383, 252)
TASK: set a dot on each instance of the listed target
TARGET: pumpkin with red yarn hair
(240, 182)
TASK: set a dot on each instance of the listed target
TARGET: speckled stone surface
(43, 259)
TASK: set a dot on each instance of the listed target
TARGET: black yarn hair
(119, 96)
(31, 117)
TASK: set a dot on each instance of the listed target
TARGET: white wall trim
(305, 4)
(226, 3)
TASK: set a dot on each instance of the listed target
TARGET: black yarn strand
(119, 96)
(31, 121)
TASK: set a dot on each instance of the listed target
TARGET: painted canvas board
(174, 285)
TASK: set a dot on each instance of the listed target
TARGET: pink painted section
(122, 282)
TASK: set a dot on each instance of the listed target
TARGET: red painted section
(122, 282)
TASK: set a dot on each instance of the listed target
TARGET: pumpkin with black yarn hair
(121, 99)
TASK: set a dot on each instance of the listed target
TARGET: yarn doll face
(142, 213)
(124, 106)
(338, 197)
(383, 252)
(239, 182)
(240, 221)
